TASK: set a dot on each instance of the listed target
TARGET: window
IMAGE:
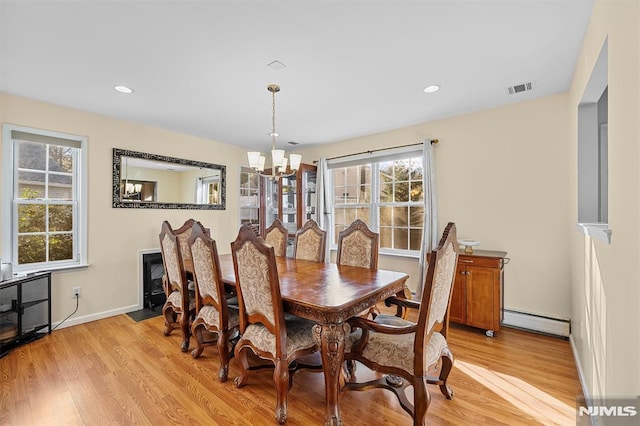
(386, 194)
(249, 197)
(43, 202)
(593, 203)
(210, 189)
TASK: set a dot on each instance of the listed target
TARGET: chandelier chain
(273, 120)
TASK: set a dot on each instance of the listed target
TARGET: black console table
(25, 309)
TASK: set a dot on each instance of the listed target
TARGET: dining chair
(276, 235)
(405, 350)
(183, 233)
(264, 330)
(310, 242)
(213, 315)
(358, 246)
(180, 303)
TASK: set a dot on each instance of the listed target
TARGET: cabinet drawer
(489, 262)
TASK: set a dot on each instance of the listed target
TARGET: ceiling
(353, 67)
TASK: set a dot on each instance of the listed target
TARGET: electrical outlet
(75, 292)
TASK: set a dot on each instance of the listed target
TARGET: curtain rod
(433, 142)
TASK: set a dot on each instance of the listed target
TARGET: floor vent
(538, 323)
(524, 87)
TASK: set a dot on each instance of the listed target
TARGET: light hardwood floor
(117, 371)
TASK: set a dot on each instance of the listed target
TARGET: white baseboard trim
(533, 322)
(94, 317)
(576, 358)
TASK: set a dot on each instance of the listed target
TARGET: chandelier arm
(274, 88)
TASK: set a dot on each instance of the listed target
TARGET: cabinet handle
(465, 261)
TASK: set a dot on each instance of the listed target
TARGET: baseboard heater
(538, 323)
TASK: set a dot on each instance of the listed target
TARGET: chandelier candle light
(278, 160)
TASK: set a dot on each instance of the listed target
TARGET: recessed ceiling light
(123, 89)
(431, 88)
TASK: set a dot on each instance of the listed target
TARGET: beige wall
(502, 177)
(606, 278)
(110, 284)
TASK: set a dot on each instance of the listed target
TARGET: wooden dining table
(329, 295)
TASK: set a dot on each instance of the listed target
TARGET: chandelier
(278, 160)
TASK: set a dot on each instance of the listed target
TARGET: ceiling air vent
(524, 87)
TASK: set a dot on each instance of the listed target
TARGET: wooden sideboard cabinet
(478, 290)
(25, 309)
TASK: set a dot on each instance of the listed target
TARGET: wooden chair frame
(420, 378)
(311, 226)
(284, 362)
(172, 313)
(199, 326)
(183, 233)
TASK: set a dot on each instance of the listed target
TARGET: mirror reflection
(144, 180)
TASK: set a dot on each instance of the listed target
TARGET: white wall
(502, 177)
(606, 278)
(110, 284)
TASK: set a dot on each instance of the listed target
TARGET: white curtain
(323, 192)
(430, 227)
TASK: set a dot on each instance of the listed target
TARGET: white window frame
(374, 159)
(9, 205)
(592, 153)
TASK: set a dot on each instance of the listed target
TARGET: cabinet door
(290, 204)
(308, 193)
(271, 195)
(458, 308)
(482, 293)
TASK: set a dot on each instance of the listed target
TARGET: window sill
(598, 231)
(24, 272)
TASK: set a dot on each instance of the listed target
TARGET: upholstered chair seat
(396, 350)
(175, 299)
(299, 336)
(211, 315)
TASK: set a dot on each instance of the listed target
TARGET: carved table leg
(331, 338)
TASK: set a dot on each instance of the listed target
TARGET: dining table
(329, 295)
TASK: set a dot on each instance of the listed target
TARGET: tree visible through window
(387, 195)
(45, 202)
(43, 226)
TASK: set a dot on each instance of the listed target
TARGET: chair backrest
(310, 242)
(276, 235)
(206, 273)
(172, 262)
(358, 246)
(436, 297)
(184, 232)
(258, 285)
